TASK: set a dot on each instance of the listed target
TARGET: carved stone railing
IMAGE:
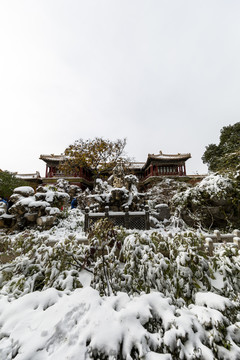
(216, 239)
(129, 219)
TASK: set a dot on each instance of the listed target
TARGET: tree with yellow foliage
(98, 155)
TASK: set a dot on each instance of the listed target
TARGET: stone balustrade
(215, 239)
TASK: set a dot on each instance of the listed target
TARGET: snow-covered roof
(167, 158)
(35, 175)
(136, 165)
(52, 157)
(162, 156)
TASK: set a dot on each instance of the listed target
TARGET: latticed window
(139, 221)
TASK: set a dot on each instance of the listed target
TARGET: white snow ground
(55, 325)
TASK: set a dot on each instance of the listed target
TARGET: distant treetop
(225, 155)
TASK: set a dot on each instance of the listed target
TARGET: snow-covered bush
(55, 325)
(214, 202)
(175, 265)
(156, 296)
(226, 270)
(163, 191)
(39, 265)
(105, 244)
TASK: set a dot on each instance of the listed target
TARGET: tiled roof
(136, 165)
(162, 156)
(133, 165)
(52, 157)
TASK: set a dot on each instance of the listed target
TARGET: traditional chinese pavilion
(155, 166)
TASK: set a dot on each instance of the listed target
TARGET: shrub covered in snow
(104, 253)
(152, 295)
(134, 263)
(40, 265)
(162, 191)
(214, 202)
(82, 325)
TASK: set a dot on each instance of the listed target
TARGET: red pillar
(151, 170)
(46, 174)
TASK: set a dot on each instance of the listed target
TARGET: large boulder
(31, 209)
(21, 206)
(15, 197)
(162, 212)
(46, 222)
(31, 217)
(52, 211)
(38, 207)
(24, 191)
(7, 220)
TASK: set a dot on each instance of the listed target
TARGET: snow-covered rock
(24, 190)
(45, 221)
(41, 208)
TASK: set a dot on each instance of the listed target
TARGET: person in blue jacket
(3, 200)
(74, 203)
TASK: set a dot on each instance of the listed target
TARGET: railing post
(209, 244)
(126, 217)
(86, 220)
(107, 212)
(147, 222)
(218, 235)
(236, 233)
(236, 241)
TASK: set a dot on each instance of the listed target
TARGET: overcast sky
(165, 74)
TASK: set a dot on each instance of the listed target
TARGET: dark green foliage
(105, 244)
(175, 266)
(225, 155)
(8, 182)
(36, 265)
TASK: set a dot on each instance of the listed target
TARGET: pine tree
(225, 155)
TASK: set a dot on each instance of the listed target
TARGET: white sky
(163, 73)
